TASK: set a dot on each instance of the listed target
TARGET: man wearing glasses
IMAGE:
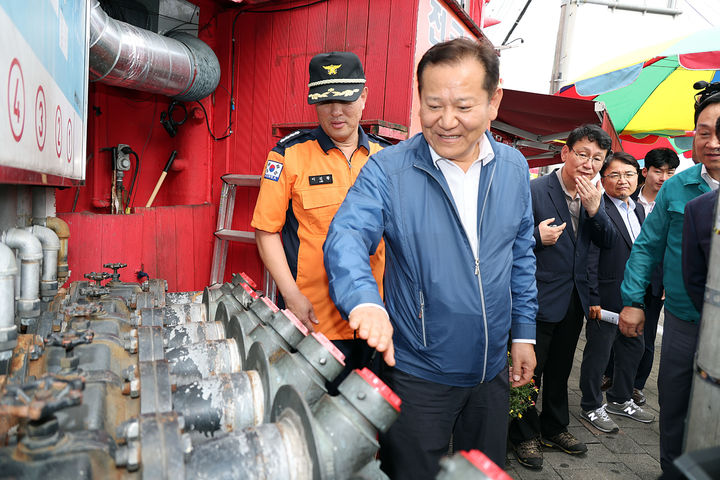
(569, 214)
(605, 270)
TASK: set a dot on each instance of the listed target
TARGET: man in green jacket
(661, 240)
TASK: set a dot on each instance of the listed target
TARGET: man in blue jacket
(660, 240)
(454, 208)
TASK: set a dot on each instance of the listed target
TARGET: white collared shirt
(646, 204)
(712, 183)
(627, 212)
(464, 188)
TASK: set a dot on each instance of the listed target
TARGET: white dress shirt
(464, 187)
(627, 212)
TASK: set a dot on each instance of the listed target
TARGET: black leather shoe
(566, 442)
(529, 454)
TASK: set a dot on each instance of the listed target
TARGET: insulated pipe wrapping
(8, 269)
(30, 251)
(50, 246)
(62, 230)
(127, 56)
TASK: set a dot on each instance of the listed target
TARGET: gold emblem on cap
(332, 69)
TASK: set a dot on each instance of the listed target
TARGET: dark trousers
(674, 383)
(476, 417)
(358, 354)
(554, 351)
(653, 306)
(602, 338)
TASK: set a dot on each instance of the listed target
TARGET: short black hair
(709, 93)
(454, 51)
(662, 157)
(593, 133)
(623, 157)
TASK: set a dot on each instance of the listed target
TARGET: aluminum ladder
(225, 234)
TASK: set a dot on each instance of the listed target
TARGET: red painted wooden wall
(272, 51)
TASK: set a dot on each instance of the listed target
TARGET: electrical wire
(207, 123)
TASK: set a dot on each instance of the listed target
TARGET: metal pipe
(61, 229)
(8, 332)
(615, 4)
(123, 55)
(30, 253)
(50, 246)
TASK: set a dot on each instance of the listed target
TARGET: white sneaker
(600, 420)
(631, 410)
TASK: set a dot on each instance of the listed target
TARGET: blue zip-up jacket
(451, 313)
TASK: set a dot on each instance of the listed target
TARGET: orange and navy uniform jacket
(305, 180)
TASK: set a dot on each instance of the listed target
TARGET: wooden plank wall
(273, 52)
(165, 242)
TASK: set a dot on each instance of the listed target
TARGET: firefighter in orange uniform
(306, 178)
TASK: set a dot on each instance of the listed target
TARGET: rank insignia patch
(272, 170)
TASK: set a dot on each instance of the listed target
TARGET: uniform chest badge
(272, 170)
(320, 179)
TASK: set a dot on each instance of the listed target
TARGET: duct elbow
(59, 226)
(178, 65)
(50, 245)
(28, 247)
(48, 238)
(30, 252)
(62, 230)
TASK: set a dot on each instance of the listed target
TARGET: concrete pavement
(632, 453)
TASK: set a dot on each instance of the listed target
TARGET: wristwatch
(638, 305)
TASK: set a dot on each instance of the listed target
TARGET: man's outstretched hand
(372, 324)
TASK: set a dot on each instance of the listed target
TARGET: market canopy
(538, 124)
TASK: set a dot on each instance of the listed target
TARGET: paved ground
(632, 453)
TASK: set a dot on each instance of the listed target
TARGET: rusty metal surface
(43, 397)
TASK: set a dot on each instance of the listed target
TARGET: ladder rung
(236, 236)
(242, 180)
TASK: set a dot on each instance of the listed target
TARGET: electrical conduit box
(43, 91)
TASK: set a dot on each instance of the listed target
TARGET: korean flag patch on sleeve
(272, 170)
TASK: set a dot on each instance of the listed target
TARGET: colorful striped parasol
(649, 92)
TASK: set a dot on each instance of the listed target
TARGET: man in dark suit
(569, 214)
(697, 236)
(605, 270)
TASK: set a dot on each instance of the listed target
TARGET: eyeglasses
(617, 176)
(584, 157)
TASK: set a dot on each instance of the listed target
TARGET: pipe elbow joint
(48, 238)
(26, 243)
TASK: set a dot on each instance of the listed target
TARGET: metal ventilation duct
(122, 55)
